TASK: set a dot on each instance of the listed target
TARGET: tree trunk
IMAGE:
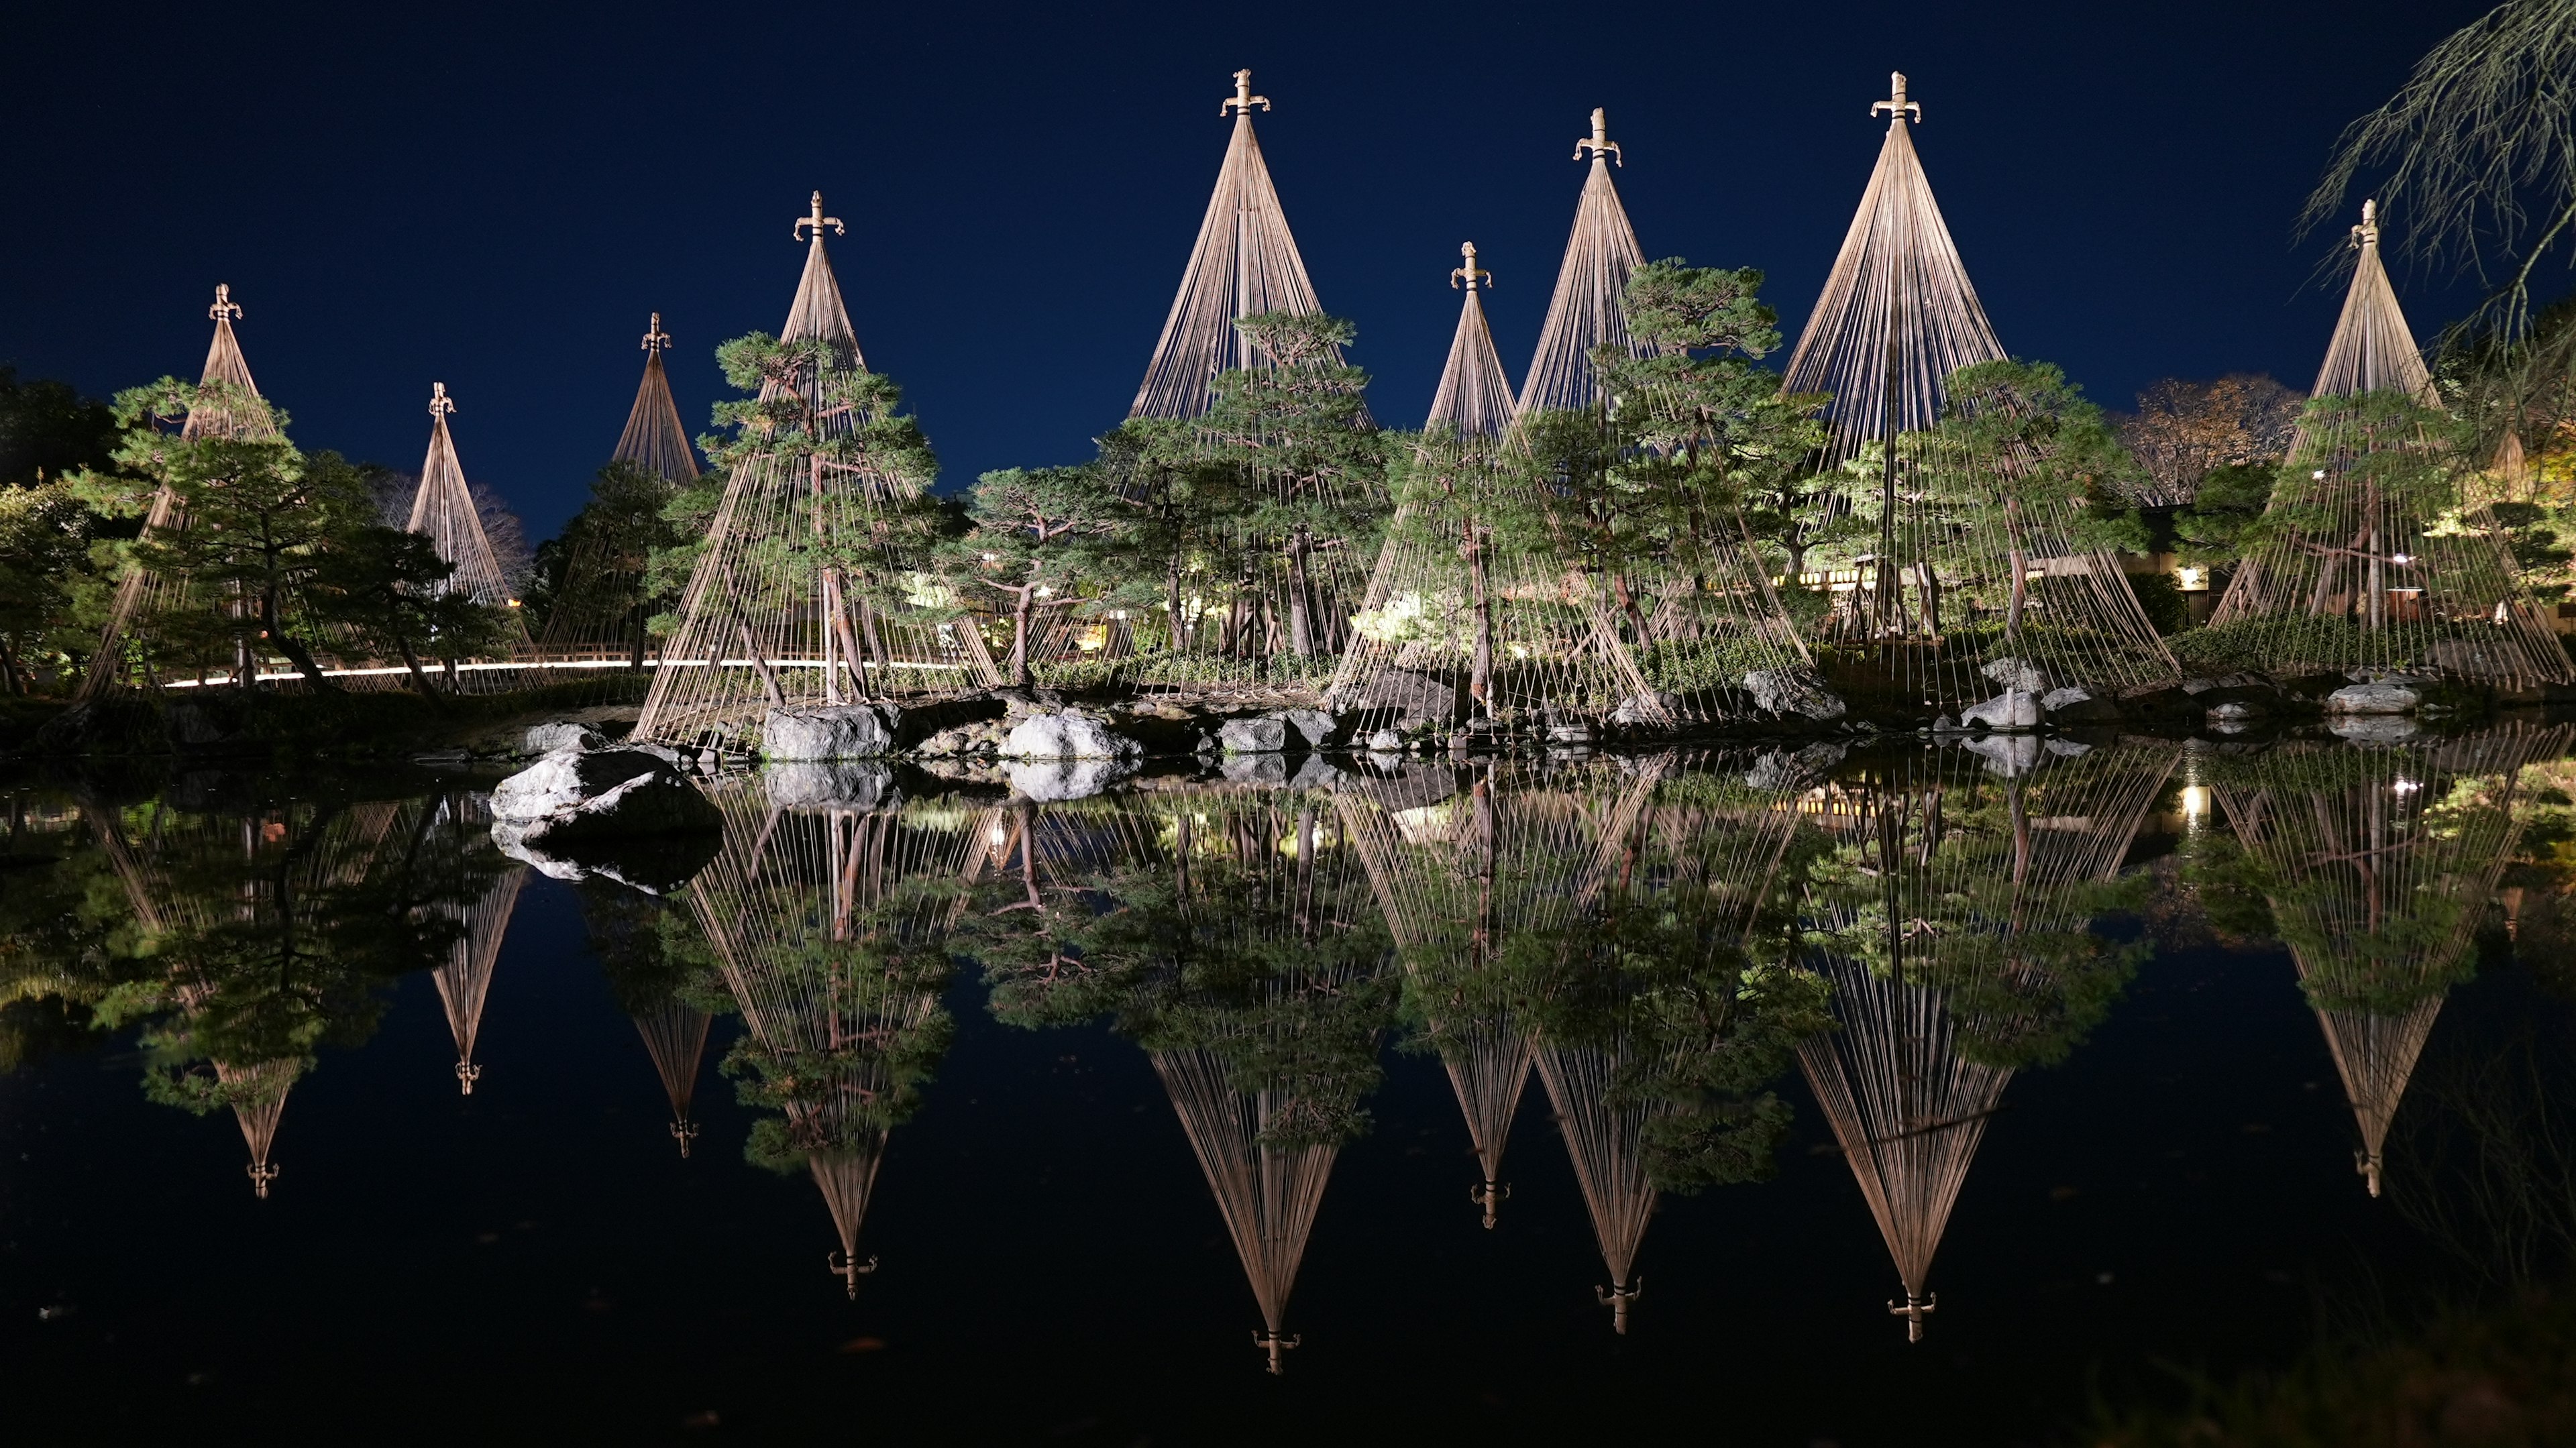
(1301, 633)
(1021, 677)
(296, 653)
(2020, 571)
(768, 680)
(1480, 668)
(411, 661)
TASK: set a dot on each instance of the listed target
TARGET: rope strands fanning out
(1235, 938)
(1244, 264)
(443, 510)
(654, 438)
(465, 980)
(2377, 863)
(675, 1036)
(1588, 308)
(829, 918)
(208, 889)
(1952, 915)
(2374, 552)
(1898, 314)
(1446, 597)
(1713, 855)
(1968, 533)
(228, 405)
(810, 588)
(1458, 878)
(599, 604)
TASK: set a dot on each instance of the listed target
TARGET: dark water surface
(2146, 1092)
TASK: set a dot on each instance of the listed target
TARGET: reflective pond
(1908, 1095)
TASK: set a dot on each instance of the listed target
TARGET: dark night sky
(495, 197)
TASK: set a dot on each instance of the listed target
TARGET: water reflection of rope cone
(1455, 876)
(2368, 849)
(152, 869)
(1276, 1345)
(850, 1269)
(1938, 864)
(675, 1036)
(465, 981)
(1247, 874)
(810, 908)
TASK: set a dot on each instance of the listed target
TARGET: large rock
(829, 784)
(1253, 736)
(593, 810)
(1319, 729)
(1386, 741)
(1792, 691)
(2238, 688)
(2011, 709)
(1067, 735)
(1048, 781)
(2019, 674)
(1640, 709)
(1413, 697)
(2077, 705)
(846, 731)
(633, 791)
(2384, 697)
(559, 735)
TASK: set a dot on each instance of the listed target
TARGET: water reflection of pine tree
(829, 925)
(274, 926)
(1951, 916)
(1232, 935)
(2376, 863)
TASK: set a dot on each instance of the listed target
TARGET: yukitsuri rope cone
(1898, 317)
(776, 613)
(1502, 626)
(2378, 862)
(2373, 552)
(1707, 612)
(829, 920)
(141, 594)
(1266, 605)
(1245, 263)
(442, 509)
(157, 852)
(465, 981)
(1953, 906)
(582, 630)
(1587, 309)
